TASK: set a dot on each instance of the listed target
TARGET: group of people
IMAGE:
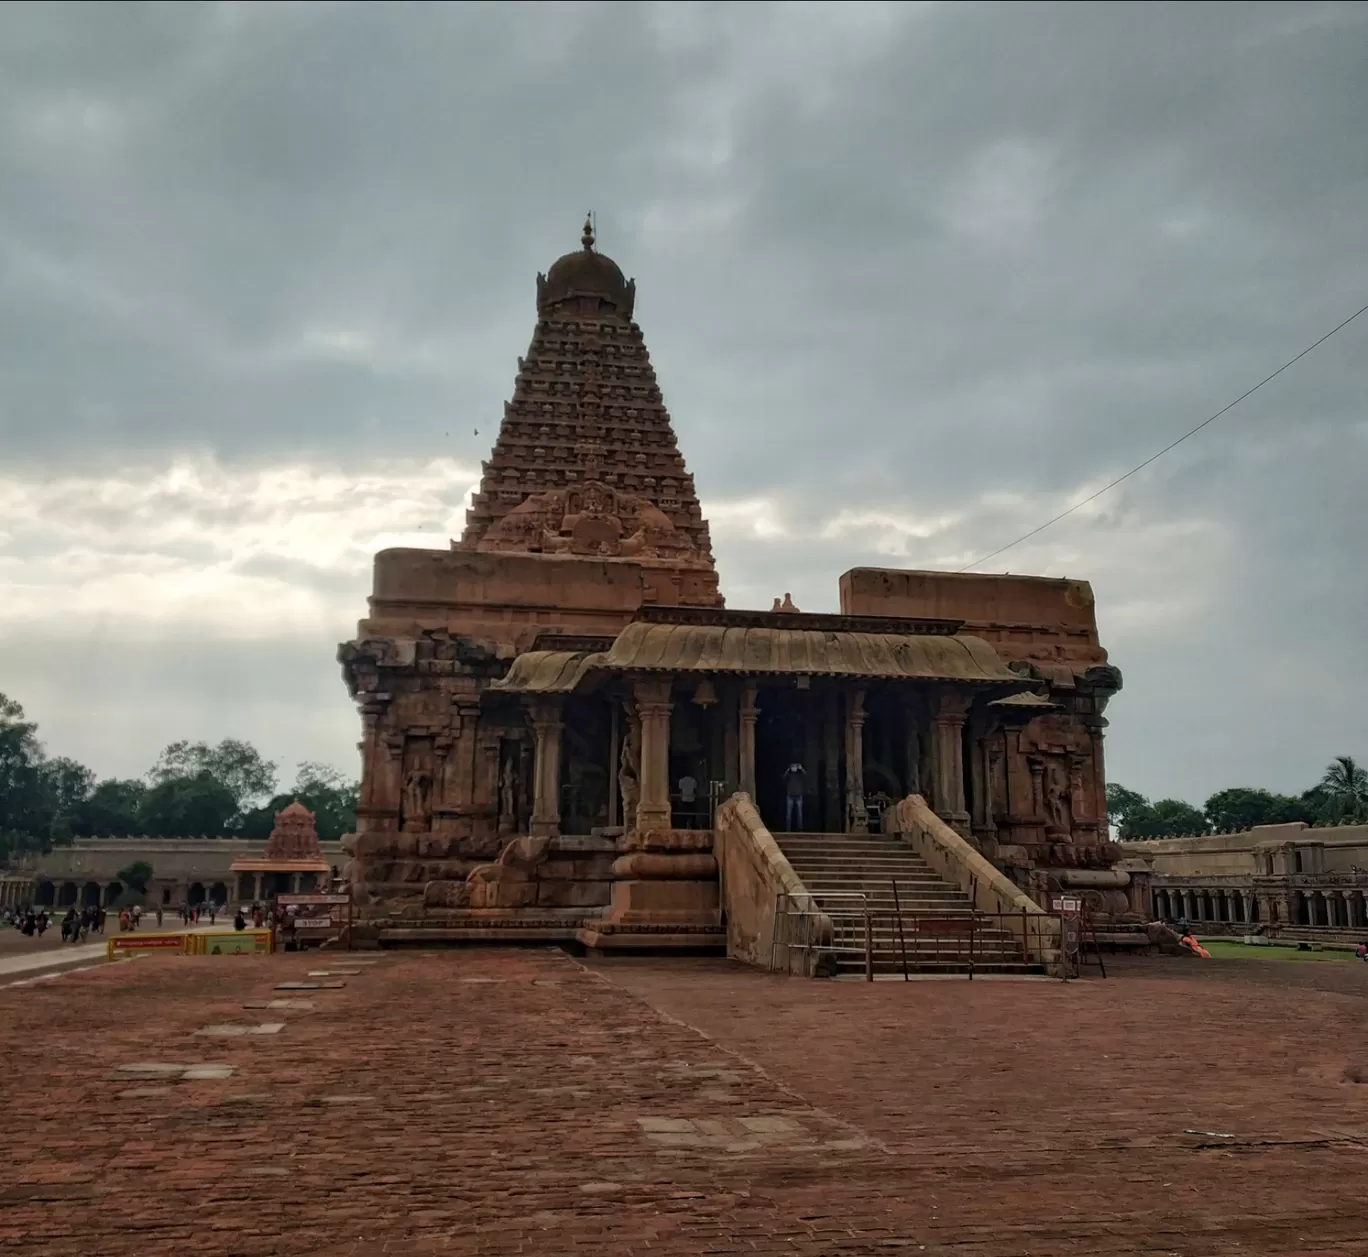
(32, 922)
(78, 926)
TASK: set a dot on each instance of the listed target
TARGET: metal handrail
(953, 933)
(785, 908)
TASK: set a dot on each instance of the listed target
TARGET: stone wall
(1269, 877)
(179, 865)
(1263, 850)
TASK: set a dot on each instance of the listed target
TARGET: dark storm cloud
(914, 277)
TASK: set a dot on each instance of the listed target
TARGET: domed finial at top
(587, 240)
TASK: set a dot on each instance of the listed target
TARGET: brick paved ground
(519, 1102)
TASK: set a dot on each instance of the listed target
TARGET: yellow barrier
(182, 943)
(126, 944)
(231, 943)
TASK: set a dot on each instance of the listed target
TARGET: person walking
(159, 916)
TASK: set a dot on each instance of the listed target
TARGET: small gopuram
(555, 708)
(293, 860)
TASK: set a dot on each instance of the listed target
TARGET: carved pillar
(653, 707)
(749, 713)
(857, 819)
(547, 719)
(832, 820)
(947, 734)
(985, 736)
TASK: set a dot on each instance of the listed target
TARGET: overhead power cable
(1092, 497)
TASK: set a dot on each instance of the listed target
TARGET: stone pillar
(746, 744)
(912, 782)
(653, 710)
(857, 819)
(1247, 903)
(981, 769)
(546, 716)
(731, 739)
(614, 754)
(947, 730)
(832, 820)
(1347, 912)
(812, 757)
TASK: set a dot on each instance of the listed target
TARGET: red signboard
(315, 923)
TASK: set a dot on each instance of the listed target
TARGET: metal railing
(800, 925)
(845, 926)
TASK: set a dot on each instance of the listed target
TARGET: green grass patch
(1229, 949)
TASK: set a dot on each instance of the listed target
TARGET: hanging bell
(704, 694)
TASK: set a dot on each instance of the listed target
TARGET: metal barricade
(797, 920)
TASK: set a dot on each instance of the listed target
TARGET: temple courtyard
(500, 1101)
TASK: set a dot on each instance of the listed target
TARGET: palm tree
(1345, 789)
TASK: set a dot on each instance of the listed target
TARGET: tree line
(193, 789)
(1340, 797)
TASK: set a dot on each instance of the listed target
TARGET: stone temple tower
(586, 461)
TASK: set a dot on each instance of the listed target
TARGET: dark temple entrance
(802, 727)
(808, 726)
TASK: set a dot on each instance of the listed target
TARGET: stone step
(1018, 967)
(893, 859)
(845, 877)
(853, 899)
(817, 878)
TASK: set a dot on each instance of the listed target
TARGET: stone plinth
(665, 896)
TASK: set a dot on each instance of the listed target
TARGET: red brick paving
(482, 1102)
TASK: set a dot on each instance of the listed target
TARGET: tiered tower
(586, 461)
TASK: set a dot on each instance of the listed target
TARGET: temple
(292, 862)
(568, 736)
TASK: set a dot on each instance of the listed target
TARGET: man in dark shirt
(794, 784)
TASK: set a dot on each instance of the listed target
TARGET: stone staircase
(834, 867)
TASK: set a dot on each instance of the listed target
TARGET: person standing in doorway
(688, 797)
(795, 783)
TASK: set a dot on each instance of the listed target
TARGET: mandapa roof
(756, 651)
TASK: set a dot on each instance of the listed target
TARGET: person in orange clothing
(1194, 946)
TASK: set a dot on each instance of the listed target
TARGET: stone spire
(295, 836)
(586, 460)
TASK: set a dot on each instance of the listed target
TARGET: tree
(67, 785)
(184, 806)
(25, 801)
(136, 876)
(327, 793)
(236, 765)
(1344, 788)
(1122, 802)
(113, 810)
(1243, 807)
(1136, 817)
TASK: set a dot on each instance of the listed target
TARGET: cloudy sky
(914, 278)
